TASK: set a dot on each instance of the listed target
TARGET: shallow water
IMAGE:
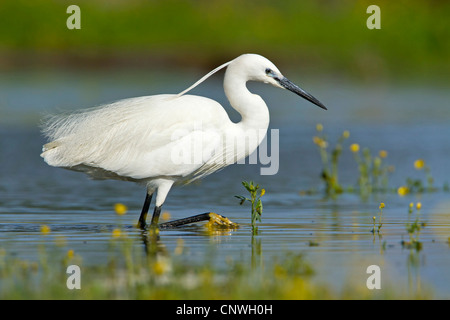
(410, 122)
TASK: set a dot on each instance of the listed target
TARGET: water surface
(409, 121)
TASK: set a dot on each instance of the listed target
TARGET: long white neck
(251, 107)
(252, 128)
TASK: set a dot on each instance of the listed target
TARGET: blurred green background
(316, 36)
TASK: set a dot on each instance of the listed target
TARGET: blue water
(409, 121)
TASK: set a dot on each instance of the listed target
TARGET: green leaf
(247, 185)
(259, 207)
(242, 199)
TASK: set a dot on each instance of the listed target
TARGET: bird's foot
(216, 220)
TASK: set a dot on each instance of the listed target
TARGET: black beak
(286, 83)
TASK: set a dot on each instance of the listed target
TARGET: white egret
(137, 139)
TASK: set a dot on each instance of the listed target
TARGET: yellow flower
(419, 164)
(165, 215)
(346, 134)
(263, 192)
(161, 266)
(319, 127)
(120, 208)
(70, 254)
(382, 205)
(45, 229)
(383, 153)
(402, 191)
(116, 233)
(411, 205)
(418, 205)
(354, 147)
(320, 142)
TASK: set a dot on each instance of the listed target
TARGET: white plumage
(165, 139)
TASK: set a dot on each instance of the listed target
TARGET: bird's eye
(269, 71)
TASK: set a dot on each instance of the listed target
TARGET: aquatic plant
(373, 172)
(417, 185)
(380, 223)
(330, 160)
(413, 228)
(372, 169)
(255, 200)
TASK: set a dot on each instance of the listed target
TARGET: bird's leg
(143, 216)
(184, 221)
(155, 217)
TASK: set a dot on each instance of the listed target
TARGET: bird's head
(258, 68)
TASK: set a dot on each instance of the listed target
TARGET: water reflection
(413, 263)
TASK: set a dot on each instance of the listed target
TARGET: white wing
(138, 138)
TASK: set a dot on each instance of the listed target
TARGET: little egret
(167, 139)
